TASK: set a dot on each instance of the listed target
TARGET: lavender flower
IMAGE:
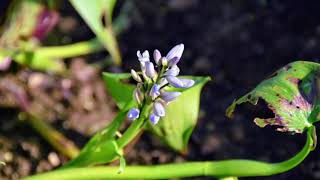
(158, 109)
(175, 54)
(169, 96)
(133, 114)
(180, 83)
(187, 83)
(154, 92)
(144, 57)
(173, 71)
(157, 57)
(175, 82)
(173, 61)
(154, 119)
(150, 71)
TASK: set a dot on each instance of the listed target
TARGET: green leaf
(93, 13)
(292, 94)
(181, 116)
(102, 147)
(120, 91)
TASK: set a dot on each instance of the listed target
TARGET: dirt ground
(237, 43)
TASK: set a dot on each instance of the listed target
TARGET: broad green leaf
(120, 91)
(181, 116)
(291, 93)
(93, 13)
(102, 147)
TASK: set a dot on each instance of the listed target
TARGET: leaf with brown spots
(291, 94)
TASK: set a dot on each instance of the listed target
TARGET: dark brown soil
(238, 43)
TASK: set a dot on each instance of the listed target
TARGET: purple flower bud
(173, 61)
(158, 109)
(154, 119)
(187, 82)
(143, 70)
(5, 63)
(175, 82)
(135, 76)
(173, 71)
(157, 56)
(45, 22)
(144, 57)
(138, 95)
(150, 72)
(169, 96)
(133, 114)
(155, 91)
(175, 52)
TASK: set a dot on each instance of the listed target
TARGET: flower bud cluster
(152, 80)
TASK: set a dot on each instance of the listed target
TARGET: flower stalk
(135, 128)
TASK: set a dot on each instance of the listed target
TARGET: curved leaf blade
(120, 91)
(291, 94)
(93, 12)
(181, 117)
(102, 147)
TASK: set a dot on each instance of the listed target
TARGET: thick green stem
(226, 168)
(72, 50)
(135, 127)
(54, 137)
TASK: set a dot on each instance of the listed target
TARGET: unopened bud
(164, 61)
(135, 76)
(157, 57)
(150, 71)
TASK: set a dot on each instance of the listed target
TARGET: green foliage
(94, 14)
(102, 147)
(291, 93)
(21, 22)
(181, 115)
(121, 92)
(34, 60)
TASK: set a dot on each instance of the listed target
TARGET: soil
(237, 43)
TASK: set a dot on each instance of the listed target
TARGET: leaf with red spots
(291, 93)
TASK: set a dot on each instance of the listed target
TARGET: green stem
(72, 50)
(135, 127)
(226, 168)
(54, 137)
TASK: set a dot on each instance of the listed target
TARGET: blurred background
(238, 43)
